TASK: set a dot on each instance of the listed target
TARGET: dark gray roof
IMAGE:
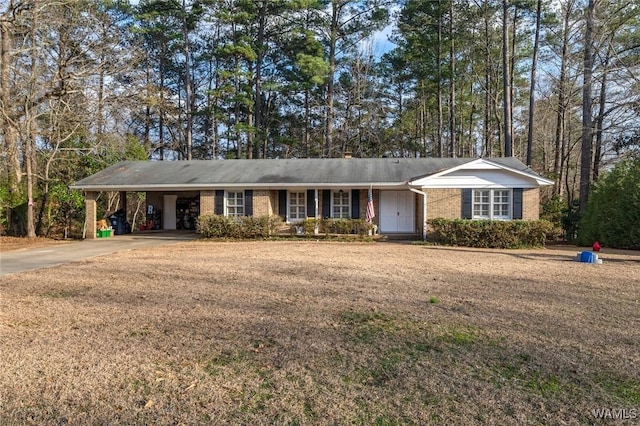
(202, 174)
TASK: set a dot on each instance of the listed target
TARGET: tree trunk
(187, 83)
(452, 87)
(161, 108)
(587, 124)
(258, 108)
(7, 127)
(487, 151)
(30, 119)
(328, 144)
(560, 137)
(532, 86)
(29, 157)
(439, 83)
(307, 124)
(506, 81)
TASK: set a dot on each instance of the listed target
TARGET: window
(492, 204)
(501, 204)
(341, 206)
(235, 203)
(297, 206)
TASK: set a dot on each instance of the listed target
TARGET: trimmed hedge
(490, 233)
(333, 226)
(218, 226)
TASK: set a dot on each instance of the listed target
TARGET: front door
(397, 212)
(169, 211)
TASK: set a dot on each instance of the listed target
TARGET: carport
(172, 203)
(164, 210)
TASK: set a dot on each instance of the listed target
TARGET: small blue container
(588, 257)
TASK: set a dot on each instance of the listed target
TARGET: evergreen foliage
(489, 234)
(333, 226)
(249, 227)
(612, 216)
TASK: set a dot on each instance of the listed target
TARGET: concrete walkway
(43, 257)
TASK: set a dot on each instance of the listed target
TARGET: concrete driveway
(43, 257)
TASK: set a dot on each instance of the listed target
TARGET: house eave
(223, 185)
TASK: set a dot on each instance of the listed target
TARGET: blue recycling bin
(588, 257)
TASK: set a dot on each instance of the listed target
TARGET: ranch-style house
(406, 192)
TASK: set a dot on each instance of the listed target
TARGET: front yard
(305, 332)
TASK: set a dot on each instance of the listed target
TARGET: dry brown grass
(321, 333)
(20, 243)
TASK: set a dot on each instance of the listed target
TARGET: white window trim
(348, 192)
(226, 205)
(491, 203)
(289, 218)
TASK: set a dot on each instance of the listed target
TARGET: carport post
(123, 203)
(90, 214)
(424, 212)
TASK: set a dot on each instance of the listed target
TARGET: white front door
(169, 213)
(397, 211)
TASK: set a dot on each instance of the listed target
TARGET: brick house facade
(406, 192)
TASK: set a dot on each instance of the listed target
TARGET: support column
(207, 205)
(316, 229)
(90, 215)
(122, 204)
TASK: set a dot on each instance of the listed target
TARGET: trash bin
(119, 223)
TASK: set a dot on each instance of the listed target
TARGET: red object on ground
(596, 246)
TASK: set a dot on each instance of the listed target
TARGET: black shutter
(355, 204)
(326, 203)
(248, 202)
(467, 212)
(218, 208)
(282, 204)
(517, 203)
(311, 203)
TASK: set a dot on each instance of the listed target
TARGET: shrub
(490, 234)
(555, 211)
(217, 226)
(308, 226)
(613, 209)
(332, 226)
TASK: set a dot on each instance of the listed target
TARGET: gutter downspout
(424, 211)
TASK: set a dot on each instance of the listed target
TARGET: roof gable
(483, 173)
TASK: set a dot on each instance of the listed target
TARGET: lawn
(306, 332)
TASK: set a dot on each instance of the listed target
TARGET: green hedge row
(332, 226)
(218, 226)
(489, 233)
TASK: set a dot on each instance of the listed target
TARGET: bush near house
(218, 226)
(333, 226)
(489, 233)
(613, 209)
